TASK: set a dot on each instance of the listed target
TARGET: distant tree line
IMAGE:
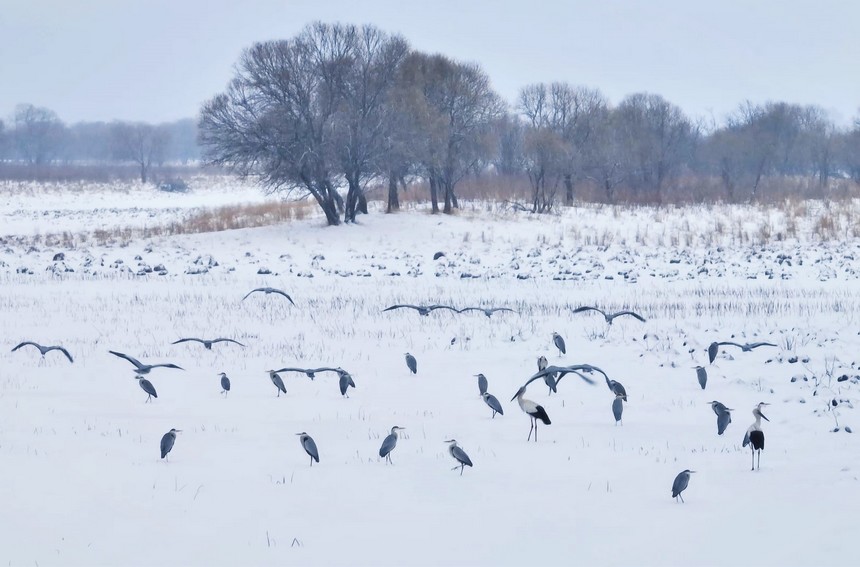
(342, 106)
(36, 138)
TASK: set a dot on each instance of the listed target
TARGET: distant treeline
(36, 144)
(339, 110)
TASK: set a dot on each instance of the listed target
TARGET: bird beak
(178, 431)
(763, 416)
(692, 471)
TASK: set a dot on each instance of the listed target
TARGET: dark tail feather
(540, 414)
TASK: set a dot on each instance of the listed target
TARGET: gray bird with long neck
(389, 443)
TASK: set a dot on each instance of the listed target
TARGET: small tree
(143, 144)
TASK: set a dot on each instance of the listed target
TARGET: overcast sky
(157, 60)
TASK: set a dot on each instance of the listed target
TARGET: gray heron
(549, 377)
(681, 483)
(141, 368)
(309, 446)
(267, 291)
(344, 378)
(533, 410)
(494, 404)
(389, 443)
(558, 341)
(459, 455)
(754, 436)
(702, 376)
(609, 317)
(225, 383)
(616, 387)
(488, 311)
(714, 347)
(724, 416)
(562, 371)
(482, 383)
(423, 310)
(207, 342)
(44, 349)
(276, 380)
(412, 363)
(147, 387)
(618, 408)
(167, 441)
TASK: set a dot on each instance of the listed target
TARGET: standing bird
(618, 408)
(534, 411)
(494, 404)
(724, 416)
(389, 443)
(167, 442)
(702, 376)
(755, 436)
(616, 388)
(680, 484)
(548, 378)
(225, 383)
(459, 455)
(412, 363)
(276, 380)
(267, 291)
(147, 387)
(345, 381)
(141, 368)
(558, 341)
(482, 384)
(714, 347)
(45, 349)
(609, 316)
(309, 446)
(207, 342)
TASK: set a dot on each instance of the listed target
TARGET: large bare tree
(39, 134)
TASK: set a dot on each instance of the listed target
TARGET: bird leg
(532, 422)
(312, 461)
(753, 459)
(461, 469)
(681, 497)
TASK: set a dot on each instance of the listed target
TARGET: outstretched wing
(463, 310)
(302, 370)
(401, 306)
(25, 343)
(131, 359)
(167, 365)
(730, 343)
(252, 291)
(756, 345)
(64, 351)
(434, 307)
(631, 313)
(585, 308)
(280, 292)
(227, 341)
(187, 340)
(581, 367)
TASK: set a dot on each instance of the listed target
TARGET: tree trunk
(351, 199)
(362, 203)
(568, 189)
(142, 172)
(446, 186)
(393, 202)
(326, 203)
(434, 194)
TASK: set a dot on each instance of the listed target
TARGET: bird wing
(387, 445)
(293, 370)
(631, 313)
(461, 455)
(64, 351)
(326, 369)
(311, 448)
(187, 340)
(252, 291)
(280, 292)
(227, 341)
(585, 308)
(434, 307)
(494, 309)
(399, 306)
(166, 365)
(729, 343)
(585, 367)
(25, 343)
(756, 345)
(131, 359)
(493, 402)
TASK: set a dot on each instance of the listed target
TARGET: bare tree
(39, 133)
(141, 143)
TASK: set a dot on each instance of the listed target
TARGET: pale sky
(158, 60)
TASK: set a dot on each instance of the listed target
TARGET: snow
(81, 482)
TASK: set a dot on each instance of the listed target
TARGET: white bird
(755, 436)
(533, 410)
(459, 455)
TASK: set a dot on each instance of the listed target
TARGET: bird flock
(550, 375)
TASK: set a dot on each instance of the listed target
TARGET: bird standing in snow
(225, 383)
(309, 446)
(680, 484)
(755, 436)
(458, 455)
(558, 341)
(389, 443)
(533, 410)
(167, 442)
(412, 363)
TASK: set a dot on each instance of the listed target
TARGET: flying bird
(207, 343)
(609, 316)
(141, 368)
(225, 383)
(558, 341)
(680, 484)
(309, 372)
(488, 311)
(423, 310)
(267, 291)
(45, 349)
(309, 446)
(147, 387)
(458, 455)
(754, 436)
(167, 442)
(714, 347)
(389, 443)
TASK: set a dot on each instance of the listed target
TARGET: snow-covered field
(81, 481)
